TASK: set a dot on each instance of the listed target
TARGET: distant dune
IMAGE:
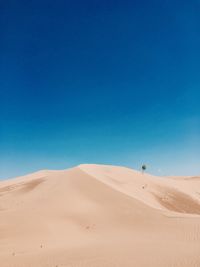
(99, 216)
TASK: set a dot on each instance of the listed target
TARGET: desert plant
(144, 167)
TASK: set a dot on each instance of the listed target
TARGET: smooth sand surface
(99, 216)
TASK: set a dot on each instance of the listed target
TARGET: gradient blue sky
(99, 81)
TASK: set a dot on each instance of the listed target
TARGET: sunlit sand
(99, 216)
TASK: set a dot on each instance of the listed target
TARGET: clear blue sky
(99, 81)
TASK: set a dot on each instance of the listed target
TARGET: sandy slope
(99, 216)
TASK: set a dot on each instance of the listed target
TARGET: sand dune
(99, 216)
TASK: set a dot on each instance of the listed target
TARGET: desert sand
(99, 216)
